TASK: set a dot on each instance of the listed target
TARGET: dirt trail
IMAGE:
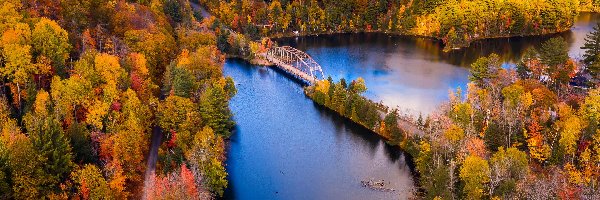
(152, 158)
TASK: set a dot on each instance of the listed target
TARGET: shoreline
(446, 47)
(406, 146)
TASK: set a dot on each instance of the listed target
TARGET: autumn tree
(358, 86)
(176, 185)
(570, 126)
(475, 174)
(538, 149)
(139, 76)
(206, 157)
(174, 111)
(454, 134)
(516, 101)
(49, 40)
(27, 169)
(485, 69)
(158, 47)
(507, 168)
(276, 14)
(15, 46)
(216, 176)
(5, 187)
(90, 184)
(590, 111)
(130, 136)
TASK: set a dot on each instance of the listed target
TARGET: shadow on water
(367, 136)
(228, 193)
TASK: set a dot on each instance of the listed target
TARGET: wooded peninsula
(127, 99)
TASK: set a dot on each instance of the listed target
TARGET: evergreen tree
(343, 83)
(222, 41)
(484, 69)
(592, 46)
(179, 81)
(173, 9)
(594, 68)
(331, 87)
(183, 82)
(592, 51)
(554, 52)
(81, 141)
(391, 126)
(215, 111)
(338, 100)
(50, 143)
(229, 87)
(420, 121)
(528, 55)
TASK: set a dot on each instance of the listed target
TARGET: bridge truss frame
(297, 59)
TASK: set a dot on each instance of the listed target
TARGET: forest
(528, 132)
(456, 22)
(85, 85)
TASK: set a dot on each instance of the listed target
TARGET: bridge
(295, 62)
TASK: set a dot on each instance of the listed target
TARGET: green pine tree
(338, 101)
(391, 126)
(554, 52)
(215, 111)
(49, 142)
(484, 68)
(592, 51)
(81, 142)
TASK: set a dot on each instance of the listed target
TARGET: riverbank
(447, 47)
(346, 100)
(456, 24)
(375, 117)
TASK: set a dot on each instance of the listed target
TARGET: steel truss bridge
(295, 62)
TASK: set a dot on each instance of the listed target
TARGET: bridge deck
(292, 70)
(295, 62)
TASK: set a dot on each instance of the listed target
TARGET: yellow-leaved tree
(475, 172)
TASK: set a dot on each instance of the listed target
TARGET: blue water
(286, 147)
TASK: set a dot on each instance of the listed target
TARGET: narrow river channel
(286, 147)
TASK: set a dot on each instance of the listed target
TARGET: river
(414, 74)
(286, 147)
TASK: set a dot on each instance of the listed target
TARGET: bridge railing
(297, 59)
